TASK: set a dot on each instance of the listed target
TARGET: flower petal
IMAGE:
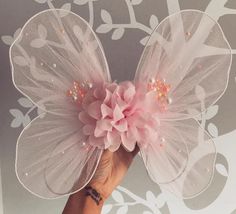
(96, 141)
(88, 129)
(106, 111)
(117, 114)
(94, 110)
(98, 93)
(114, 139)
(121, 125)
(102, 126)
(129, 93)
(107, 98)
(85, 118)
(128, 142)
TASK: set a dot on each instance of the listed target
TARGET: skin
(111, 170)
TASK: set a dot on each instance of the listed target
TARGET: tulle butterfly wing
(55, 50)
(182, 160)
(189, 53)
(52, 158)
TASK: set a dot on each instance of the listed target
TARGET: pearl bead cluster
(78, 91)
(162, 90)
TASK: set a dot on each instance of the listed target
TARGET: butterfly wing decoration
(188, 52)
(54, 49)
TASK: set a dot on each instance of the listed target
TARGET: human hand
(111, 170)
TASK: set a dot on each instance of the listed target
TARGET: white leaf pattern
(8, 40)
(222, 170)
(136, 2)
(80, 2)
(200, 93)
(66, 7)
(160, 200)
(24, 102)
(213, 130)
(42, 31)
(153, 22)
(20, 60)
(38, 43)
(212, 111)
(118, 33)
(41, 1)
(106, 208)
(106, 17)
(150, 197)
(122, 210)
(144, 40)
(18, 118)
(104, 28)
(147, 212)
(117, 196)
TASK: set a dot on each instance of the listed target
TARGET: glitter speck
(54, 65)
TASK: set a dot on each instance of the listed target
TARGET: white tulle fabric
(188, 50)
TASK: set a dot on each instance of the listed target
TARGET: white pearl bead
(152, 80)
(163, 139)
(169, 100)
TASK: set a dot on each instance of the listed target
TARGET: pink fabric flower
(115, 114)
